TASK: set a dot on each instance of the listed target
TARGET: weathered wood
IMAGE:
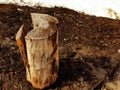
(20, 39)
(42, 21)
(42, 51)
(21, 44)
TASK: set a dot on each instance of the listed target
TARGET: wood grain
(42, 52)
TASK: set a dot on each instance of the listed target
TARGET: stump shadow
(70, 70)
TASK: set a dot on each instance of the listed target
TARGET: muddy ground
(89, 49)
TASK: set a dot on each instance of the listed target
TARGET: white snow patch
(104, 8)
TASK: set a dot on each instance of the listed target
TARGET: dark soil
(88, 47)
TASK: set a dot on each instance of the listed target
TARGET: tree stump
(42, 51)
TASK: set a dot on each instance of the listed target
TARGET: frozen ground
(104, 8)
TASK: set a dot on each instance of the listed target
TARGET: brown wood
(21, 44)
(20, 39)
(42, 51)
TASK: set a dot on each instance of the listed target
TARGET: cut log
(42, 51)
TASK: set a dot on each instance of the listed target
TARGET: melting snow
(104, 8)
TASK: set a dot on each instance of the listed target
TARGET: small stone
(107, 36)
(77, 24)
(65, 39)
(105, 44)
(15, 86)
(12, 37)
(12, 48)
(76, 38)
(119, 50)
(19, 9)
(6, 41)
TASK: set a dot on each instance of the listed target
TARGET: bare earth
(89, 50)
